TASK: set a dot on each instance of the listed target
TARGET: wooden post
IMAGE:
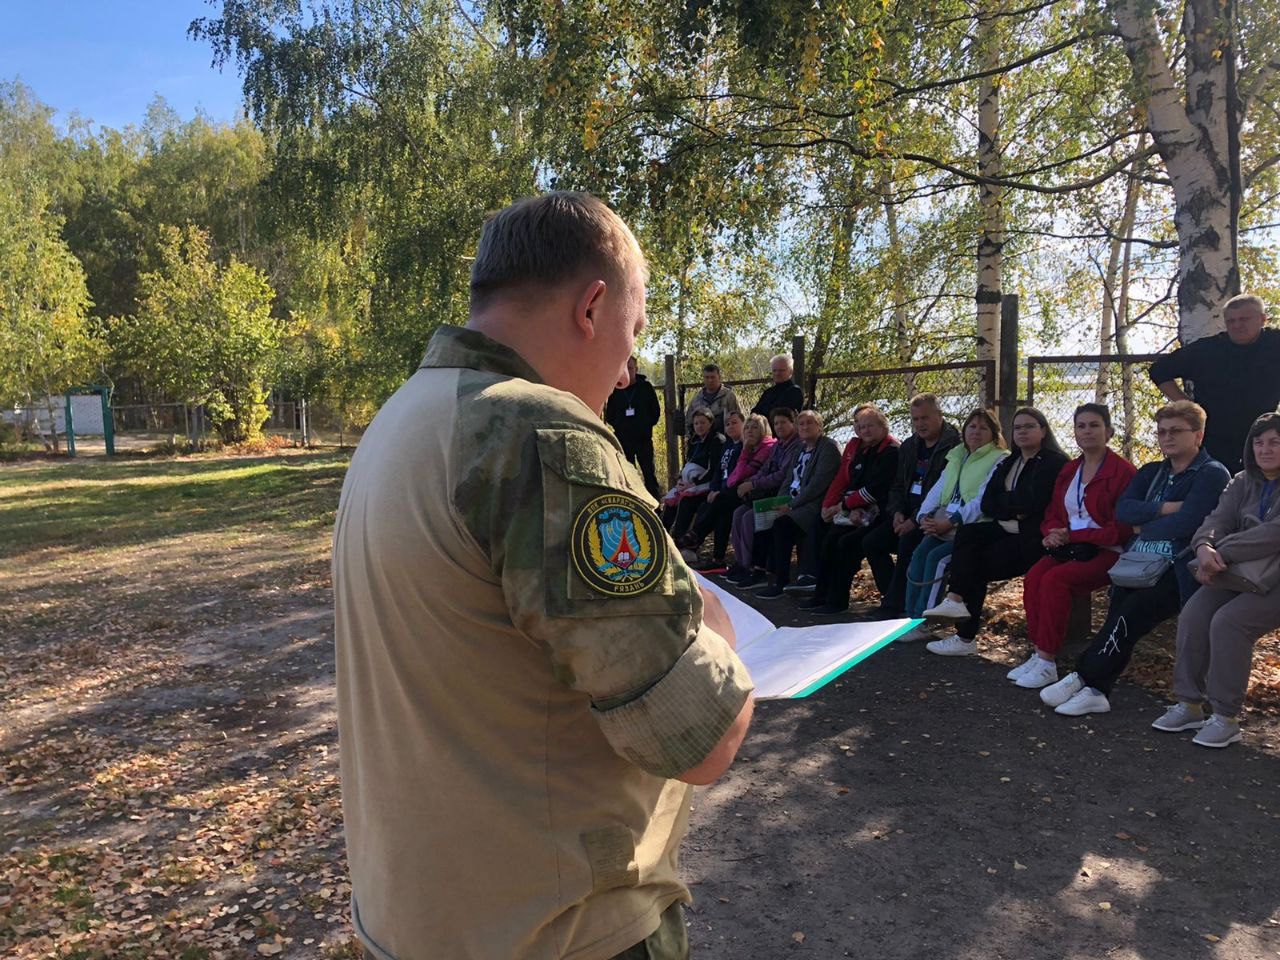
(672, 419)
(797, 358)
(1008, 372)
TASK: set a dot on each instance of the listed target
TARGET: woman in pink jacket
(716, 515)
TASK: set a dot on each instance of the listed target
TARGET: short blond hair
(760, 423)
(810, 413)
(1187, 411)
(548, 239)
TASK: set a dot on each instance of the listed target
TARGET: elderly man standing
(714, 397)
(528, 674)
(784, 391)
(1235, 377)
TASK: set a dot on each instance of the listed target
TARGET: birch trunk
(1192, 127)
(990, 195)
(1117, 275)
(899, 281)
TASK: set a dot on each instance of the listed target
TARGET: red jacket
(1100, 496)
(840, 484)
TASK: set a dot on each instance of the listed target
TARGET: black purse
(1074, 551)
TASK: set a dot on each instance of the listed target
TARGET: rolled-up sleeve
(673, 726)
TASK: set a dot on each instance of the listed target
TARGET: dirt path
(168, 788)
(926, 807)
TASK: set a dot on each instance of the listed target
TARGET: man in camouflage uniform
(528, 675)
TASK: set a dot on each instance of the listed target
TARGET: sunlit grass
(95, 503)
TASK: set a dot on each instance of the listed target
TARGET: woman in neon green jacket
(955, 499)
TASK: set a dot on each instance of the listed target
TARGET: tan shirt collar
(452, 346)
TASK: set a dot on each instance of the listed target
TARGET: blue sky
(106, 60)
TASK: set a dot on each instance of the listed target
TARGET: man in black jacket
(1235, 377)
(783, 392)
(920, 461)
(632, 412)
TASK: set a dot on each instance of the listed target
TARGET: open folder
(788, 663)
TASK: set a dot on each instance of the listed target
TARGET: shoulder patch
(618, 547)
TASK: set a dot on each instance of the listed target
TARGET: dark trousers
(678, 519)
(839, 559)
(984, 553)
(639, 450)
(879, 548)
(785, 535)
(1130, 617)
(716, 518)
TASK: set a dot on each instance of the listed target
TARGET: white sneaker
(953, 646)
(1021, 668)
(1056, 694)
(916, 634)
(1037, 675)
(1086, 700)
(948, 609)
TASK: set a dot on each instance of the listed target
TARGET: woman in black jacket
(703, 456)
(1016, 497)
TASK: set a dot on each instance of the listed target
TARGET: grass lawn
(168, 781)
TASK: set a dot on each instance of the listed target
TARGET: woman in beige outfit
(1218, 627)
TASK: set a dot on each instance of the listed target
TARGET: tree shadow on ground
(978, 823)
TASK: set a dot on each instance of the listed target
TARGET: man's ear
(584, 308)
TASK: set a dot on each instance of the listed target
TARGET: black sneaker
(830, 610)
(803, 585)
(812, 603)
(771, 592)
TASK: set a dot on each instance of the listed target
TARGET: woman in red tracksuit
(1082, 537)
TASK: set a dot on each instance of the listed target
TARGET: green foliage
(46, 345)
(204, 334)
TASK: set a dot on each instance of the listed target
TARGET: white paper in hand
(788, 663)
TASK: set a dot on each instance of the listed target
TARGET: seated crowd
(945, 513)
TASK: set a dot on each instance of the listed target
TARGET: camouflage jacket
(522, 665)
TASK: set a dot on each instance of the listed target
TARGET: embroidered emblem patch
(617, 545)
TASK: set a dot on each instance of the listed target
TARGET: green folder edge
(853, 662)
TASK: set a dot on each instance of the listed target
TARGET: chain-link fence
(960, 387)
(144, 426)
(1057, 385)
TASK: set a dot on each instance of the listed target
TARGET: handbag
(1074, 551)
(1260, 575)
(1139, 569)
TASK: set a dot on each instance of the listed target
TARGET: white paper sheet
(793, 662)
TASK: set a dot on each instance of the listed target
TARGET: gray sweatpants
(1216, 633)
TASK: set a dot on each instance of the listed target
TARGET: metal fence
(141, 426)
(1057, 385)
(959, 386)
